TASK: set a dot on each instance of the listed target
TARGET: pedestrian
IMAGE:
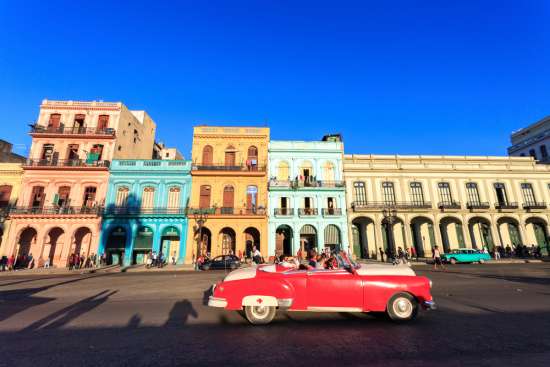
(437, 258)
(174, 258)
(47, 263)
(3, 263)
(381, 254)
(11, 262)
(413, 253)
(497, 253)
(256, 255)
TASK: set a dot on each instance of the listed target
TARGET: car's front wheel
(259, 315)
(402, 307)
(453, 261)
(481, 261)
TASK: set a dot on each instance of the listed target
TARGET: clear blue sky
(407, 77)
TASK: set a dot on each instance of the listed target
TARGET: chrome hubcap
(259, 311)
(402, 307)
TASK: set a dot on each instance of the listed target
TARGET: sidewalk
(430, 261)
(105, 269)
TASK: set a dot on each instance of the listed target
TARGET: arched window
(207, 155)
(89, 196)
(252, 158)
(230, 156)
(55, 121)
(388, 192)
(204, 200)
(283, 171)
(359, 193)
(228, 199)
(417, 195)
(252, 198)
(328, 172)
(473, 193)
(173, 197)
(122, 196)
(63, 196)
(252, 152)
(37, 197)
(148, 197)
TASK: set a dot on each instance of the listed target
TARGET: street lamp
(390, 217)
(200, 216)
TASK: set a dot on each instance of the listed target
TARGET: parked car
(261, 291)
(465, 255)
(222, 262)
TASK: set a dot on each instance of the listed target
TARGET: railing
(279, 183)
(153, 165)
(329, 212)
(224, 167)
(364, 205)
(298, 184)
(65, 163)
(503, 205)
(140, 211)
(304, 212)
(477, 205)
(76, 130)
(280, 212)
(449, 205)
(534, 205)
(57, 210)
(226, 211)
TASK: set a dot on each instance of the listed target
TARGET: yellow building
(10, 186)
(448, 201)
(229, 191)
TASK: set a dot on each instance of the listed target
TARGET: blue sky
(405, 77)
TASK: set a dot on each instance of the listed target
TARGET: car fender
(260, 300)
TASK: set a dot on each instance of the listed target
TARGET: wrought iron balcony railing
(114, 211)
(304, 212)
(283, 212)
(477, 205)
(297, 184)
(56, 210)
(76, 130)
(65, 163)
(224, 167)
(329, 212)
(226, 211)
(403, 205)
(534, 205)
(506, 205)
(449, 205)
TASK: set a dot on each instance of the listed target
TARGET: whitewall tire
(259, 315)
(402, 307)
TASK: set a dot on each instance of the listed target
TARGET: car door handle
(309, 273)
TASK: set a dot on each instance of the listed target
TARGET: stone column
(523, 233)
(408, 235)
(130, 240)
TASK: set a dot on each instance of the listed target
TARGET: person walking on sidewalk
(497, 253)
(437, 258)
(381, 254)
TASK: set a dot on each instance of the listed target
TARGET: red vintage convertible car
(260, 291)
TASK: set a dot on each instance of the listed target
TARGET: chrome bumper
(217, 302)
(429, 305)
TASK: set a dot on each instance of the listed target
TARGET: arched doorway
(480, 233)
(53, 245)
(143, 244)
(308, 238)
(538, 234)
(27, 239)
(508, 232)
(393, 235)
(423, 235)
(333, 238)
(116, 243)
(170, 242)
(363, 237)
(252, 238)
(283, 240)
(452, 233)
(203, 241)
(228, 241)
(82, 241)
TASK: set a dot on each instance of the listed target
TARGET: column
(130, 240)
(408, 235)
(363, 240)
(497, 241)
(523, 233)
(156, 239)
(183, 242)
(320, 236)
(466, 232)
(295, 240)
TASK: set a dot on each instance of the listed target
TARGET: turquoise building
(145, 210)
(307, 198)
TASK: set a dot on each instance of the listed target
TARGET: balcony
(449, 205)
(38, 130)
(64, 163)
(506, 206)
(283, 212)
(305, 184)
(57, 210)
(307, 212)
(477, 205)
(534, 205)
(223, 169)
(331, 212)
(150, 165)
(359, 206)
(214, 211)
(136, 211)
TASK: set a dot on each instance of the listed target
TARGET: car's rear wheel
(402, 307)
(481, 261)
(259, 315)
(453, 260)
(206, 267)
(233, 266)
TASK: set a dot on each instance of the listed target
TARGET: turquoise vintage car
(465, 255)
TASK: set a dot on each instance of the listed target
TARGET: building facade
(423, 201)
(146, 210)
(532, 140)
(10, 186)
(66, 176)
(307, 197)
(229, 191)
(6, 154)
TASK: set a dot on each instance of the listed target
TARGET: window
(72, 152)
(445, 193)
(230, 156)
(136, 136)
(55, 121)
(528, 193)
(252, 198)
(228, 197)
(95, 153)
(148, 197)
(89, 196)
(122, 196)
(328, 172)
(283, 172)
(284, 202)
(47, 152)
(63, 196)
(37, 197)
(388, 192)
(207, 155)
(79, 123)
(174, 197)
(532, 153)
(473, 193)
(331, 204)
(5, 194)
(102, 122)
(543, 152)
(306, 170)
(204, 200)
(417, 194)
(500, 191)
(359, 193)
(252, 159)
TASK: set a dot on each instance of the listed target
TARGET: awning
(332, 235)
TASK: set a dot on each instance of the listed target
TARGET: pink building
(66, 176)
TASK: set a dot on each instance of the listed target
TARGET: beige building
(10, 185)
(423, 201)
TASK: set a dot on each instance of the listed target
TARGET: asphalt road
(488, 315)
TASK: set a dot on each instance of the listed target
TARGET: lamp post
(390, 217)
(200, 216)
